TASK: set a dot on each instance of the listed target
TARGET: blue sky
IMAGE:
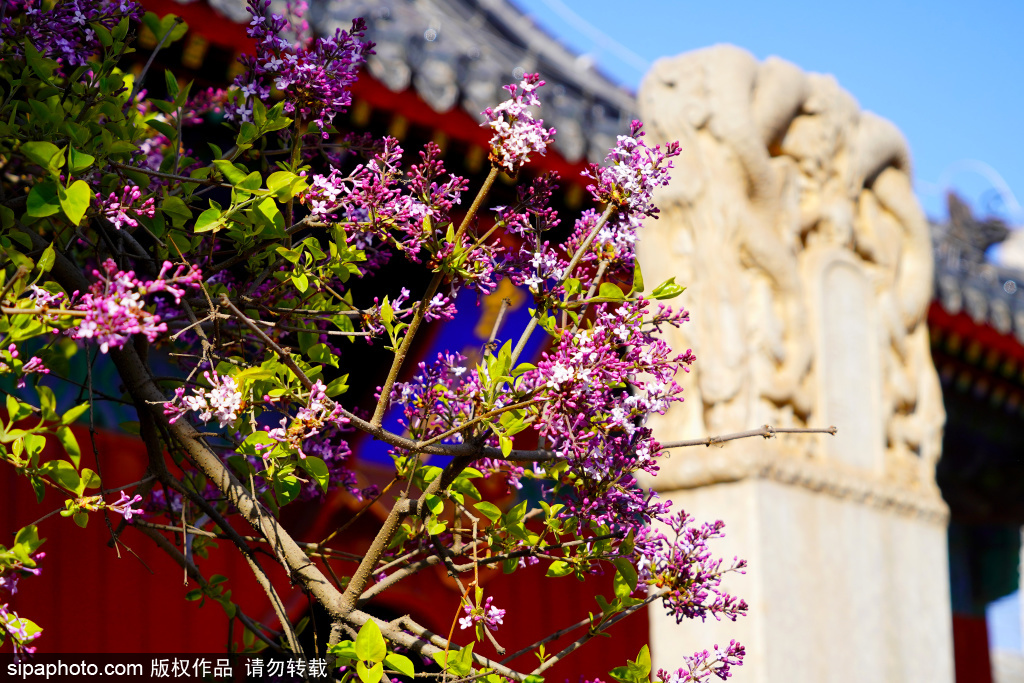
(947, 73)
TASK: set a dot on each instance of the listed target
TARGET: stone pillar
(792, 220)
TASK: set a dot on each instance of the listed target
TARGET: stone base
(839, 590)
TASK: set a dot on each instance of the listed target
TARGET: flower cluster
(9, 363)
(122, 210)
(628, 181)
(700, 666)
(222, 401)
(62, 30)
(18, 630)
(486, 615)
(316, 79)
(319, 413)
(687, 568)
(114, 305)
(440, 396)
(516, 133)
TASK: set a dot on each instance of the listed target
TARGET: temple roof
(459, 53)
(966, 282)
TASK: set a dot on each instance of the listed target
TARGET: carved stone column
(792, 220)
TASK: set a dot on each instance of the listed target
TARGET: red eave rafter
(970, 332)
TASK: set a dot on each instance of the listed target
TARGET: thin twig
(149, 62)
(766, 431)
(21, 272)
(582, 640)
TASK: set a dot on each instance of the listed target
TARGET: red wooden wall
(88, 599)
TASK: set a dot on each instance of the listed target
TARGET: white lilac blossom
(222, 401)
(516, 133)
(628, 180)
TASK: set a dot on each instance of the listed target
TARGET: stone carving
(792, 220)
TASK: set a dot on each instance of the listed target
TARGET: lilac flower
(486, 615)
(702, 665)
(316, 79)
(319, 413)
(11, 363)
(120, 211)
(124, 506)
(35, 364)
(632, 173)
(61, 30)
(686, 566)
(114, 304)
(222, 401)
(516, 133)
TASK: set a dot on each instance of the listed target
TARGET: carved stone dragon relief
(792, 220)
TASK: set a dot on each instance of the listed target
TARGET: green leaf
(284, 184)
(610, 291)
(47, 402)
(287, 489)
(42, 200)
(209, 220)
(61, 472)
(41, 66)
(459, 661)
(489, 510)
(434, 503)
(172, 84)
(643, 660)
(177, 32)
(42, 153)
(177, 210)
(370, 645)
(75, 201)
(506, 444)
(436, 527)
(321, 353)
(90, 480)
(70, 443)
(251, 182)
(45, 262)
(463, 663)
(338, 386)
(81, 519)
(401, 664)
(317, 468)
(627, 572)
(162, 128)
(345, 649)
(233, 173)
(301, 282)
(667, 290)
(638, 277)
(559, 568)
(289, 254)
(369, 675)
(80, 160)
